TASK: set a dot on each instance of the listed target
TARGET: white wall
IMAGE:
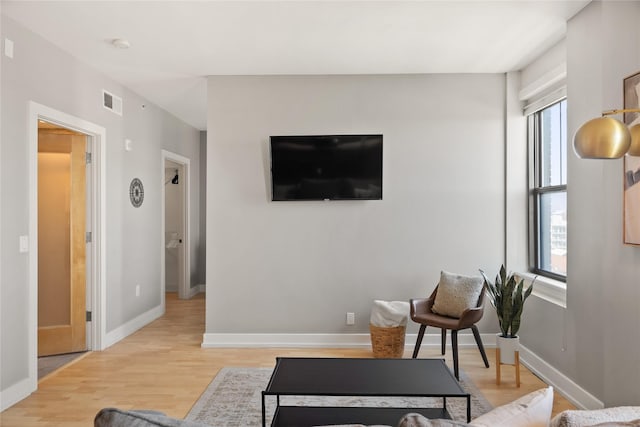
(603, 48)
(43, 73)
(595, 341)
(516, 218)
(298, 267)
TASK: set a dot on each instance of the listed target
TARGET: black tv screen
(326, 167)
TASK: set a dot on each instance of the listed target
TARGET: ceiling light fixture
(121, 43)
(607, 138)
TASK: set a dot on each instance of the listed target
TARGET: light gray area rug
(234, 398)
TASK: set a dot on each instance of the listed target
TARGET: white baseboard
(213, 340)
(464, 340)
(560, 382)
(132, 326)
(193, 291)
(15, 393)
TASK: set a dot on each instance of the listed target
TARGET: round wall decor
(136, 193)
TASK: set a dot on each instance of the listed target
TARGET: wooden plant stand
(517, 365)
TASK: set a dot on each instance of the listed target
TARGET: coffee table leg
(444, 404)
(469, 408)
(264, 416)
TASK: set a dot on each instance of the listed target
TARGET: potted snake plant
(507, 295)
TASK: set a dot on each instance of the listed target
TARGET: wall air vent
(111, 102)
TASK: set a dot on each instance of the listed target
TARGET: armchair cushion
(456, 293)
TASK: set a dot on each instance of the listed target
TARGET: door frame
(184, 289)
(96, 260)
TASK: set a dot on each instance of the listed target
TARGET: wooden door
(61, 241)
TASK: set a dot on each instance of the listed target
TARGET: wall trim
(133, 325)
(550, 290)
(98, 199)
(358, 340)
(15, 393)
(560, 382)
(97, 263)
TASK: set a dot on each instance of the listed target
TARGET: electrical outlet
(137, 290)
(351, 318)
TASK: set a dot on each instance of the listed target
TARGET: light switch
(8, 48)
(24, 244)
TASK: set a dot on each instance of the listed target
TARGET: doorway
(62, 240)
(94, 243)
(175, 225)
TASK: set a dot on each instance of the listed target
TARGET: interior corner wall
(298, 267)
(516, 159)
(43, 73)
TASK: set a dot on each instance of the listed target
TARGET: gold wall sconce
(607, 138)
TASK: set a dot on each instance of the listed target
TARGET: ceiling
(175, 44)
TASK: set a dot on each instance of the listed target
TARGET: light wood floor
(163, 367)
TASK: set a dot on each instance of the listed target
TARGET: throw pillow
(456, 293)
(531, 410)
(418, 420)
(579, 418)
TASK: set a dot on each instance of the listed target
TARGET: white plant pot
(508, 348)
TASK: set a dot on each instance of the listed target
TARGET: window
(548, 182)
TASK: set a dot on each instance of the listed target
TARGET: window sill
(548, 289)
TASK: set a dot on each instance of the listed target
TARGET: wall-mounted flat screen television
(326, 167)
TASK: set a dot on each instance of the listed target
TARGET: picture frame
(631, 198)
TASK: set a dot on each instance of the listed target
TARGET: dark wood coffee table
(358, 377)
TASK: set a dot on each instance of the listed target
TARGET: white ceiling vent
(112, 102)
